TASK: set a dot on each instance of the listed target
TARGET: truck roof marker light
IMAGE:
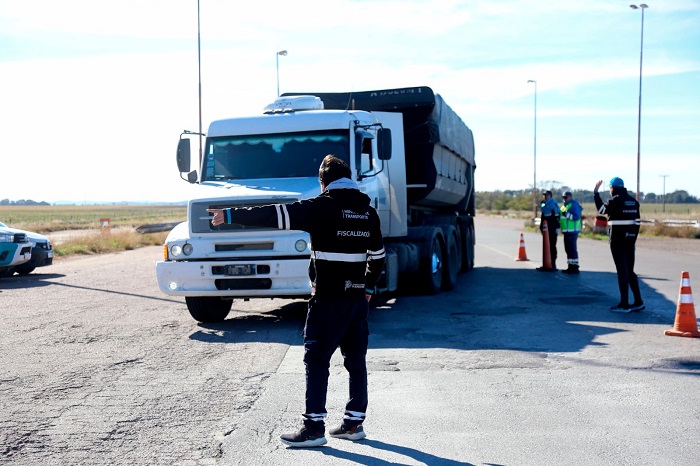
(294, 104)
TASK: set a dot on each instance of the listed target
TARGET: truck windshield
(283, 155)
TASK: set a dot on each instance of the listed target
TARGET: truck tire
(468, 247)
(453, 257)
(429, 276)
(208, 309)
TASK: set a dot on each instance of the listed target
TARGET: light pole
(642, 6)
(199, 69)
(534, 171)
(664, 196)
(277, 58)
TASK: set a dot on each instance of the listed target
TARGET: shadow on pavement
(490, 308)
(369, 460)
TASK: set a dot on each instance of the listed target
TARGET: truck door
(374, 181)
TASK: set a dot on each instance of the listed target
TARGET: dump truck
(407, 150)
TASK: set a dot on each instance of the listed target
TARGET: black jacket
(623, 214)
(347, 254)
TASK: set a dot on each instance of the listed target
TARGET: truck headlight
(187, 249)
(300, 245)
(175, 250)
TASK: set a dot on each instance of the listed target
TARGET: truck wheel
(468, 248)
(431, 259)
(208, 309)
(453, 257)
(7, 272)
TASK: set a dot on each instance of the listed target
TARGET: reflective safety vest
(570, 220)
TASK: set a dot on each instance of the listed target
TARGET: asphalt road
(514, 367)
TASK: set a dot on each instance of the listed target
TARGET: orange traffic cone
(522, 256)
(546, 253)
(686, 324)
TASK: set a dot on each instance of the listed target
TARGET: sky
(94, 94)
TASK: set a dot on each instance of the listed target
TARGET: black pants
(333, 323)
(623, 255)
(552, 231)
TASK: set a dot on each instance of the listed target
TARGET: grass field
(45, 219)
(677, 212)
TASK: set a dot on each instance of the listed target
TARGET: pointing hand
(218, 217)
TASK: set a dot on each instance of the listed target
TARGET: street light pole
(199, 66)
(534, 171)
(664, 196)
(277, 58)
(642, 6)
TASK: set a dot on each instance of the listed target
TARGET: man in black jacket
(346, 260)
(623, 228)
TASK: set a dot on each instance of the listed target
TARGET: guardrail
(674, 223)
(156, 227)
(651, 221)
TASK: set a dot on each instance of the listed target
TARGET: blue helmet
(617, 183)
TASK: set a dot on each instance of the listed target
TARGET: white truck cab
(272, 158)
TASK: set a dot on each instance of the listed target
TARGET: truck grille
(243, 284)
(201, 220)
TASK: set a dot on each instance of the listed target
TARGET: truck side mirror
(183, 161)
(384, 144)
(183, 155)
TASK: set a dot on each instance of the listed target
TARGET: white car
(41, 252)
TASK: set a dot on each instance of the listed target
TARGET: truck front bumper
(240, 279)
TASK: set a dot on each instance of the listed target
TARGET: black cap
(544, 193)
(567, 194)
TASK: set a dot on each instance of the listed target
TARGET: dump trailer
(407, 150)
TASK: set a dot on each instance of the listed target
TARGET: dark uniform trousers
(331, 323)
(623, 255)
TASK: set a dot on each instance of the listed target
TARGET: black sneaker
(304, 438)
(636, 307)
(348, 433)
(622, 308)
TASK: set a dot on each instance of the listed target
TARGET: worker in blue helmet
(623, 228)
(570, 224)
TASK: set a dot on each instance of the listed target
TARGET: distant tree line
(522, 199)
(22, 202)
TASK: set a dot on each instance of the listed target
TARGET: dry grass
(657, 229)
(122, 218)
(47, 219)
(105, 242)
